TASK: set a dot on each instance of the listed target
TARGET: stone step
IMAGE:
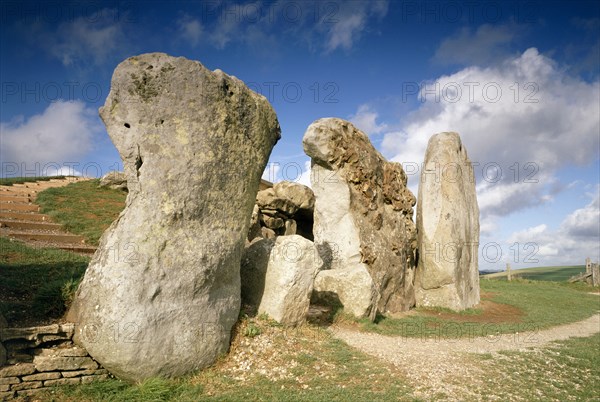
(77, 248)
(15, 198)
(25, 216)
(48, 237)
(21, 192)
(15, 206)
(30, 225)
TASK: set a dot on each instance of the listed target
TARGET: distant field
(556, 274)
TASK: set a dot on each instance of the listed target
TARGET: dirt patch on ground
(491, 312)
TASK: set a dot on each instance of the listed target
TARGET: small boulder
(353, 288)
(277, 277)
(114, 180)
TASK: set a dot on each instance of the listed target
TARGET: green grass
(9, 181)
(83, 208)
(534, 305)
(36, 284)
(567, 370)
(555, 274)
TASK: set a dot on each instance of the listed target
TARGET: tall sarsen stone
(162, 292)
(448, 227)
(363, 223)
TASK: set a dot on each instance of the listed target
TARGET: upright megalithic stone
(363, 223)
(162, 292)
(448, 227)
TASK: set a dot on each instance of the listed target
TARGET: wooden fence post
(588, 265)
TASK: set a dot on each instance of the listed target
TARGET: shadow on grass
(36, 285)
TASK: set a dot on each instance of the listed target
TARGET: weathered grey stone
(254, 269)
(17, 370)
(292, 266)
(254, 230)
(62, 381)
(30, 392)
(93, 378)
(363, 216)
(352, 287)
(74, 351)
(77, 373)
(448, 225)
(272, 223)
(42, 376)
(286, 197)
(291, 227)
(38, 334)
(27, 385)
(52, 363)
(9, 380)
(114, 180)
(267, 233)
(194, 144)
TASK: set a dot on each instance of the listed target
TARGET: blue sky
(518, 80)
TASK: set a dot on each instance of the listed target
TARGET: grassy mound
(83, 208)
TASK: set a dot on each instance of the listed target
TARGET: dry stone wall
(41, 357)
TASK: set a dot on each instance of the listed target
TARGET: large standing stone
(363, 218)
(162, 292)
(448, 227)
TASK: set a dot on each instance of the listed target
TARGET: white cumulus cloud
(63, 133)
(366, 120)
(520, 121)
(190, 29)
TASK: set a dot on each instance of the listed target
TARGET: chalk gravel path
(442, 366)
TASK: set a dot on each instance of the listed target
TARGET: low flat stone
(42, 376)
(52, 363)
(31, 392)
(9, 380)
(62, 381)
(92, 378)
(17, 370)
(77, 373)
(74, 351)
(27, 385)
